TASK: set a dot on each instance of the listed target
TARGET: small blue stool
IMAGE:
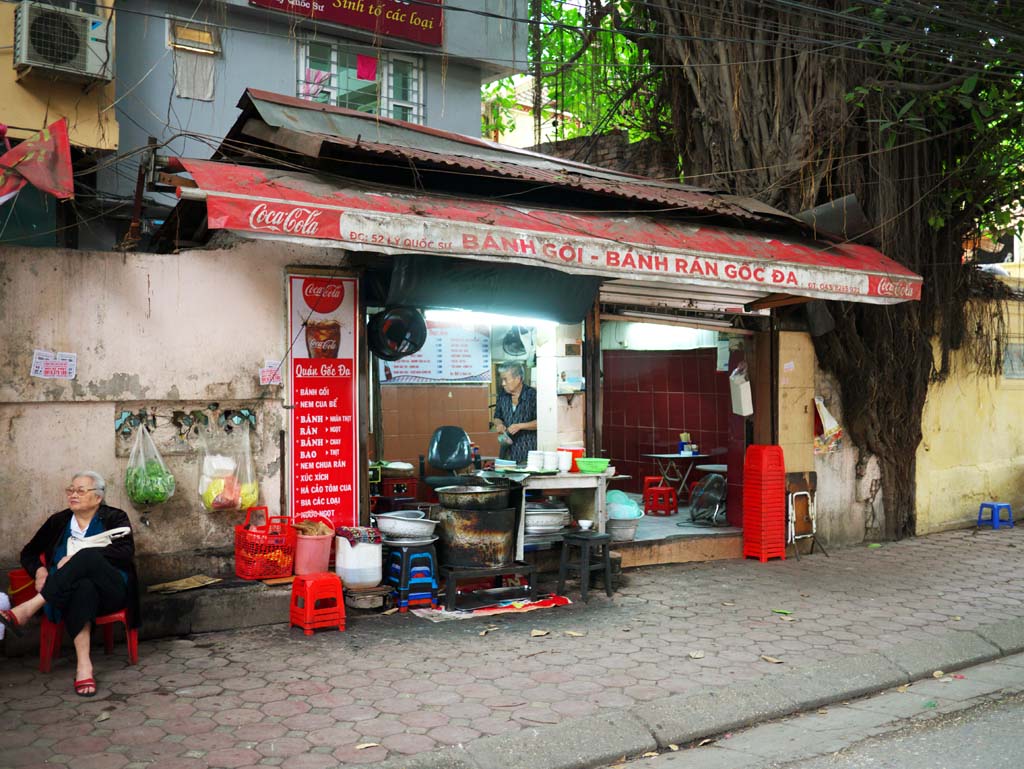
(996, 509)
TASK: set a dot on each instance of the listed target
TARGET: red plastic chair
(50, 634)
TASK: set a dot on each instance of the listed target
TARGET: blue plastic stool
(996, 509)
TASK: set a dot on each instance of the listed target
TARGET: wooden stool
(317, 602)
(585, 540)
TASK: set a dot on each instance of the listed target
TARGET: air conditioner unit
(66, 43)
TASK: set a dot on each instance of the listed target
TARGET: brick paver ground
(399, 685)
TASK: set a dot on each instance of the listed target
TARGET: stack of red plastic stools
(764, 503)
(317, 602)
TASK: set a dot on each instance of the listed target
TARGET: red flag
(44, 160)
(366, 67)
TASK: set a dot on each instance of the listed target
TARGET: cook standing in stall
(515, 414)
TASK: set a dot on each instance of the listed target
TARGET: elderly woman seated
(78, 588)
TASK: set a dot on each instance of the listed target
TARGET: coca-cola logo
(898, 288)
(323, 294)
(295, 221)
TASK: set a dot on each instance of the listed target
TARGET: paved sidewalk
(676, 654)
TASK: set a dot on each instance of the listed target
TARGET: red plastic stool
(661, 500)
(317, 602)
(649, 481)
(50, 637)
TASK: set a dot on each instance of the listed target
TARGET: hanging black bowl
(396, 332)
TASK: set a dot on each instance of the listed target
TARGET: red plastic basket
(267, 551)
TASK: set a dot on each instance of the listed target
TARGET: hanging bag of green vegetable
(148, 481)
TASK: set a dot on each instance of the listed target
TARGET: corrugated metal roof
(384, 137)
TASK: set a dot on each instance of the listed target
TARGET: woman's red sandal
(85, 683)
(9, 620)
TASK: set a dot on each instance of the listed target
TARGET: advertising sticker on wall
(323, 322)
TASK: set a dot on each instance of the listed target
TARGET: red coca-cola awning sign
(293, 205)
(421, 22)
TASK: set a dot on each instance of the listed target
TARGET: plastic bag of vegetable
(147, 480)
(227, 478)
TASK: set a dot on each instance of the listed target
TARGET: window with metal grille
(362, 78)
(1013, 352)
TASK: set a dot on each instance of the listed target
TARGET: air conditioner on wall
(62, 42)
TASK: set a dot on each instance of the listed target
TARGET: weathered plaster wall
(847, 495)
(174, 331)
(849, 488)
(972, 449)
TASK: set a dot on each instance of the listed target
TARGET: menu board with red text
(322, 324)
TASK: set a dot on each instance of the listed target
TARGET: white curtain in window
(193, 75)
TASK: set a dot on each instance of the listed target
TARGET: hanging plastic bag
(740, 392)
(830, 438)
(227, 478)
(147, 480)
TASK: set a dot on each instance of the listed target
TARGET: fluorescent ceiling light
(468, 318)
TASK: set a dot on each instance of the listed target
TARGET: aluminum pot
(473, 497)
(477, 538)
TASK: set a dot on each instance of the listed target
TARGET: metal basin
(477, 538)
(473, 497)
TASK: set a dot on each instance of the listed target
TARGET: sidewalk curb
(592, 741)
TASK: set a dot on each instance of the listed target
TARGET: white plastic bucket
(358, 565)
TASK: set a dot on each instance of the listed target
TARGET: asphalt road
(989, 736)
(971, 720)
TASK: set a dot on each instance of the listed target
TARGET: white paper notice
(270, 374)
(48, 365)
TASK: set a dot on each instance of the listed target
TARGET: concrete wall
(972, 449)
(561, 420)
(36, 100)
(164, 332)
(796, 400)
(848, 498)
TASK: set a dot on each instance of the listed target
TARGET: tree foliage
(914, 108)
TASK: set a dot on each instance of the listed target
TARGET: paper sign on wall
(49, 365)
(452, 353)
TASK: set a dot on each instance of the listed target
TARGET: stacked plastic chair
(317, 602)
(764, 503)
(411, 570)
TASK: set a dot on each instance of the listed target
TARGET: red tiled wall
(413, 412)
(651, 397)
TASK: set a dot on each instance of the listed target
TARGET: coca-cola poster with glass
(324, 445)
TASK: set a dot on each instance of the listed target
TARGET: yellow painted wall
(797, 365)
(973, 447)
(36, 100)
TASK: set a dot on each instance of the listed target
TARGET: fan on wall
(707, 501)
(513, 343)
